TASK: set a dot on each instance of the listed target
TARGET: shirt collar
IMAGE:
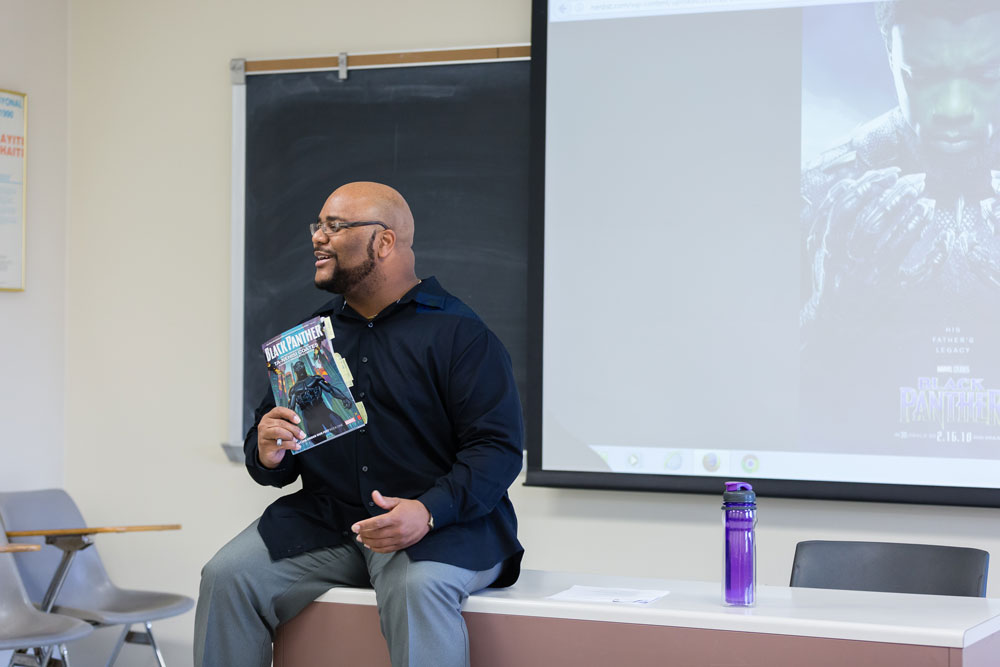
(428, 292)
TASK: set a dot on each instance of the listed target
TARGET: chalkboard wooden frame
(472, 226)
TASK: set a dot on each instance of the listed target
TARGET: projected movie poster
(900, 331)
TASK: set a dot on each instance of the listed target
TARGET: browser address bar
(584, 10)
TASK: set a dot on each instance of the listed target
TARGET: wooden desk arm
(67, 532)
(16, 548)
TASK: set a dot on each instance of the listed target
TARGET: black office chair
(891, 567)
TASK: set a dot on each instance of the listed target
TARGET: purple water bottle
(739, 508)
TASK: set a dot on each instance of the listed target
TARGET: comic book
(310, 378)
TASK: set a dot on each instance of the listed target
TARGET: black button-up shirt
(444, 427)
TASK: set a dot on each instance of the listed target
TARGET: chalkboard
(453, 139)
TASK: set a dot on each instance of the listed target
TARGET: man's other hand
(403, 525)
(277, 432)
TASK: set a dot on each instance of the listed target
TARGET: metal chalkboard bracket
(238, 71)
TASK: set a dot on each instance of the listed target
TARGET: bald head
(366, 200)
(370, 265)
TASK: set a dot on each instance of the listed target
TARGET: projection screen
(771, 251)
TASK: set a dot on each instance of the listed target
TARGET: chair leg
(29, 657)
(152, 642)
(48, 661)
(118, 645)
(65, 655)
(140, 637)
(55, 662)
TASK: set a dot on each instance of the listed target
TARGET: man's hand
(402, 526)
(277, 432)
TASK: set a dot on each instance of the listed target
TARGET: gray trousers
(245, 596)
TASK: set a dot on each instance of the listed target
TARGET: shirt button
(364, 360)
(361, 394)
(371, 503)
(363, 431)
(371, 324)
(364, 468)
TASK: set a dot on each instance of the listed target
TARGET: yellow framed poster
(13, 173)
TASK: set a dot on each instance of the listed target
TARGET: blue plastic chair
(88, 593)
(32, 634)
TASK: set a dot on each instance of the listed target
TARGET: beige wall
(680, 535)
(33, 45)
(148, 301)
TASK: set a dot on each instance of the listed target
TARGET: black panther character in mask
(306, 396)
(905, 212)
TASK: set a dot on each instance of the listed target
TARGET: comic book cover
(310, 378)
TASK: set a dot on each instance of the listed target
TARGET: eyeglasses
(330, 228)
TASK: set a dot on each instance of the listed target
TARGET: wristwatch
(430, 521)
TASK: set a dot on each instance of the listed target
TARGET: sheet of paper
(599, 594)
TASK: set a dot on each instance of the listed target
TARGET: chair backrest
(891, 567)
(50, 509)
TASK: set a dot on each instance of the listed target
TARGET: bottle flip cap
(739, 492)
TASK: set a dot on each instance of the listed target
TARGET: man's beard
(344, 280)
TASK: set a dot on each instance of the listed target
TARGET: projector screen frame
(537, 476)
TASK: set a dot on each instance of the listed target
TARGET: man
(415, 504)
(904, 214)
